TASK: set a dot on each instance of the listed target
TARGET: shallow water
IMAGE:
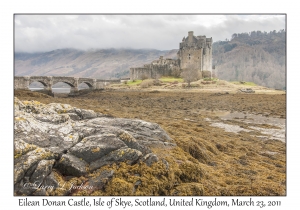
(57, 90)
(274, 133)
(252, 118)
(229, 128)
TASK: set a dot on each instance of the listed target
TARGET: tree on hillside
(259, 57)
(190, 74)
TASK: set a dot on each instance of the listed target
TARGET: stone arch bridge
(24, 82)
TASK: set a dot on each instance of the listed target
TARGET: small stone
(149, 159)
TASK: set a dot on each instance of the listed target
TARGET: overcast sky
(40, 33)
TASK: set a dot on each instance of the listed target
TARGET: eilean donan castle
(194, 52)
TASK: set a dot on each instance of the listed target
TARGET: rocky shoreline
(190, 153)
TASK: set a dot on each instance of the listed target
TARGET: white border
(8, 8)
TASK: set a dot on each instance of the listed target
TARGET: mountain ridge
(100, 63)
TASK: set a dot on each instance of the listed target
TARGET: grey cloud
(49, 32)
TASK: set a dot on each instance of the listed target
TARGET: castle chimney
(191, 35)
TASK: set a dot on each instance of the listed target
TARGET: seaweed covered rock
(58, 146)
(72, 165)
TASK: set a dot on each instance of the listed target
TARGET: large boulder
(95, 147)
(145, 133)
(121, 155)
(57, 142)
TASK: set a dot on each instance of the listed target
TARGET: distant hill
(102, 63)
(258, 57)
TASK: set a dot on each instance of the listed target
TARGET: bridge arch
(71, 81)
(37, 81)
(68, 83)
(91, 83)
(62, 87)
(45, 81)
(90, 86)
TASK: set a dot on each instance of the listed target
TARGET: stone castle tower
(195, 52)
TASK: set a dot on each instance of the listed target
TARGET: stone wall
(207, 57)
(21, 82)
(138, 73)
(158, 68)
(191, 58)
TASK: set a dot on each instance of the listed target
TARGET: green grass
(135, 82)
(212, 79)
(170, 79)
(162, 79)
(244, 83)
